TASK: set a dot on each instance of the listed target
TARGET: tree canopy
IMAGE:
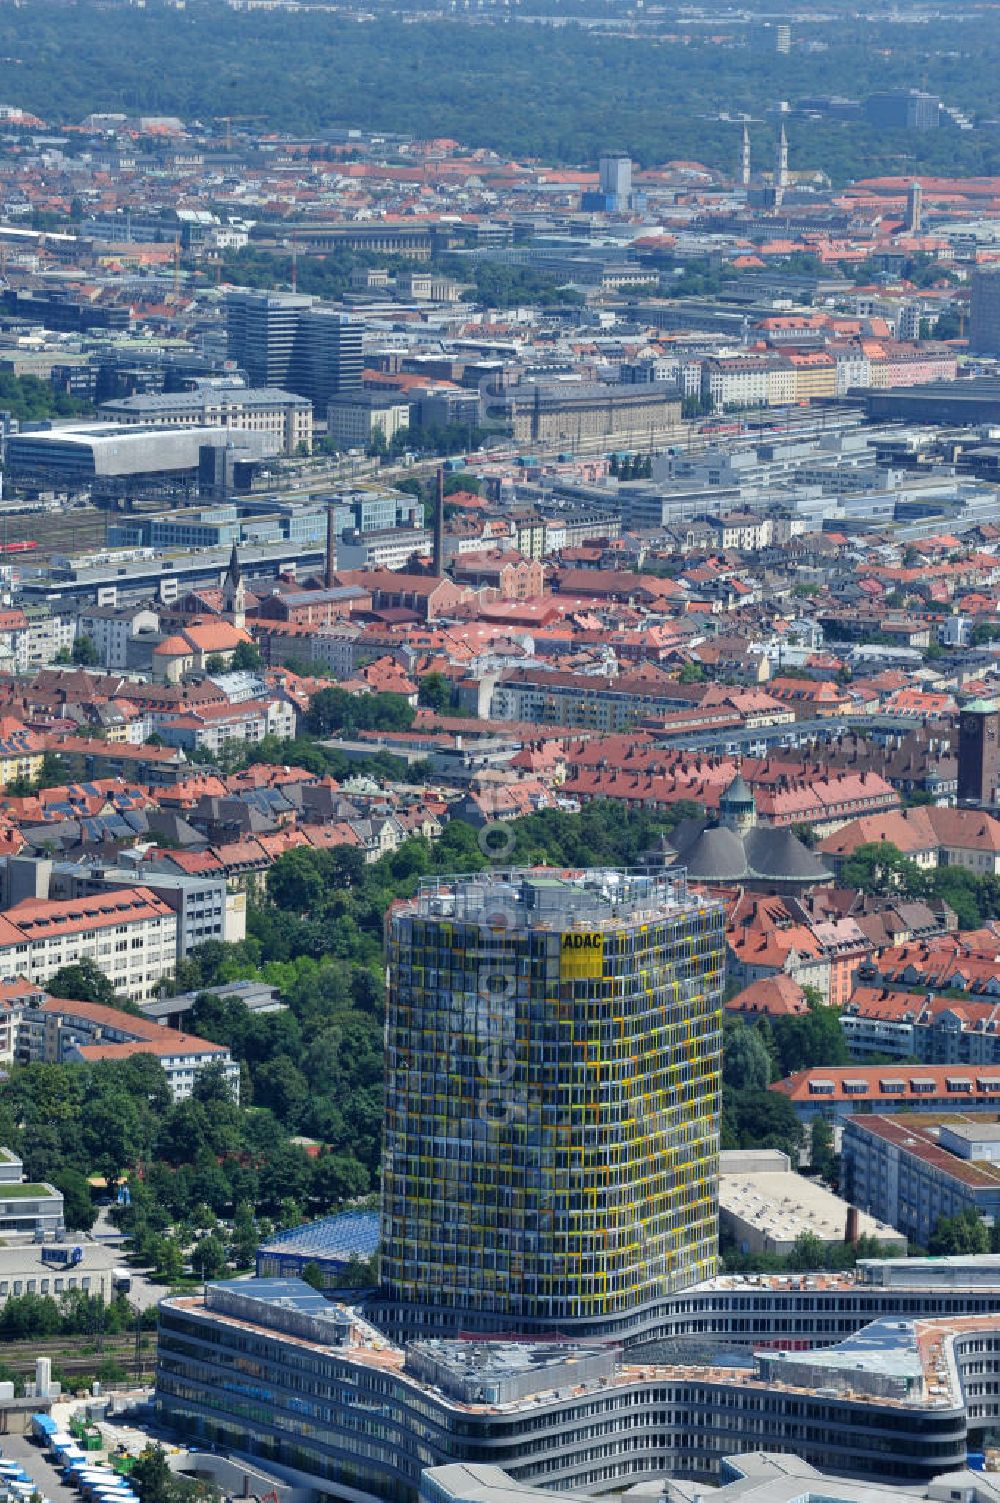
(675, 93)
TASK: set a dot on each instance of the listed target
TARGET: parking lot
(38, 1467)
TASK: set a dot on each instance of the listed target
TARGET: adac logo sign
(581, 957)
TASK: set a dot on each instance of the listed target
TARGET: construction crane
(227, 121)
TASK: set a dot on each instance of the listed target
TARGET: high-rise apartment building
(769, 37)
(984, 312)
(979, 753)
(285, 340)
(615, 169)
(552, 1103)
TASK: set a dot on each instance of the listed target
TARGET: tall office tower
(914, 205)
(979, 753)
(552, 1100)
(261, 335)
(285, 340)
(616, 177)
(328, 356)
(984, 312)
(745, 159)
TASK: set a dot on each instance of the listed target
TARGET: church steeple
(234, 591)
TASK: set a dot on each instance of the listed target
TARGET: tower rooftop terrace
(553, 898)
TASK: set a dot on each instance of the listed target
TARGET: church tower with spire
(781, 168)
(234, 591)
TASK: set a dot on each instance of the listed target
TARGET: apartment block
(131, 934)
(61, 1031)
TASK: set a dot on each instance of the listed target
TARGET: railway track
(54, 531)
(65, 1353)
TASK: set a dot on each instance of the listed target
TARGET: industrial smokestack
(852, 1231)
(439, 525)
(331, 549)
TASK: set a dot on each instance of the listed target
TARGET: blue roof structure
(333, 1239)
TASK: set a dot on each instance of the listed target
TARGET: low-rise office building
(749, 1477)
(764, 1206)
(268, 1369)
(204, 908)
(27, 1210)
(355, 419)
(913, 1171)
(115, 458)
(584, 416)
(44, 1269)
(285, 420)
(111, 630)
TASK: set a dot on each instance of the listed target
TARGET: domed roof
(779, 856)
(717, 855)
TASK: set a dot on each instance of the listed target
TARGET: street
(104, 1232)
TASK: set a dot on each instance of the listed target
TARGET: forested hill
(562, 94)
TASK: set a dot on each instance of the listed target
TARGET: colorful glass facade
(552, 1105)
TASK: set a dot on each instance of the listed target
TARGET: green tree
(215, 663)
(434, 691)
(85, 653)
(760, 1119)
(79, 1211)
(312, 1273)
(84, 981)
(247, 657)
(298, 879)
(821, 1153)
(814, 1039)
(746, 1064)
(169, 1261)
(151, 1476)
(338, 1177)
(462, 480)
(964, 1235)
(246, 1235)
(280, 1085)
(208, 1257)
(692, 673)
(808, 1253)
(334, 709)
(880, 868)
